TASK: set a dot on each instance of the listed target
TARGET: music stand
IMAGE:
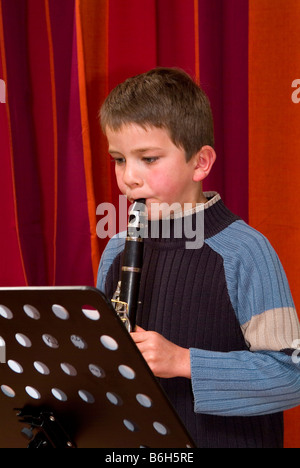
(74, 377)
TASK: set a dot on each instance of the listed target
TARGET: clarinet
(125, 299)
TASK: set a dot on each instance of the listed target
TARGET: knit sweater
(228, 302)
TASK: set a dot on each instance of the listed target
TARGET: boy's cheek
(160, 183)
(121, 184)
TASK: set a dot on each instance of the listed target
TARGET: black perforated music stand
(74, 374)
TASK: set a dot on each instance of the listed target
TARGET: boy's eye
(150, 160)
(118, 161)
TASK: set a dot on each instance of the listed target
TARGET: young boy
(216, 323)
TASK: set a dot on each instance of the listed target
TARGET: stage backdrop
(58, 61)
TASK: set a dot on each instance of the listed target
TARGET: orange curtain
(274, 142)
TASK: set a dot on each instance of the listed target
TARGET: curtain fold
(274, 140)
(12, 261)
(59, 59)
(223, 50)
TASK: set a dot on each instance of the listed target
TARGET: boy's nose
(131, 176)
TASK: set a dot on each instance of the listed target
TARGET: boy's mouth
(140, 200)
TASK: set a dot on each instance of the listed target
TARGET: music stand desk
(71, 361)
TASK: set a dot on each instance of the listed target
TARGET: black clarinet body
(125, 299)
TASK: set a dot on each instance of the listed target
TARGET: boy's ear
(204, 161)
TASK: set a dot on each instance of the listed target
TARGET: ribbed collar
(216, 216)
(171, 233)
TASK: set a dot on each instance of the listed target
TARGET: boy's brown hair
(165, 98)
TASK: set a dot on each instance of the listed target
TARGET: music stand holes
(78, 342)
(160, 428)
(126, 372)
(109, 343)
(5, 312)
(68, 369)
(90, 312)
(15, 366)
(59, 394)
(130, 425)
(114, 398)
(8, 391)
(31, 312)
(96, 371)
(60, 312)
(144, 400)
(23, 340)
(41, 368)
(33, 392)
(87, 397)
(50, 341)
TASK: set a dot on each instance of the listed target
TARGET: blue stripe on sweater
(240, 383)
(113, 248)
(255, 278)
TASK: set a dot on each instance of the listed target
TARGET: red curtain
(59, 59)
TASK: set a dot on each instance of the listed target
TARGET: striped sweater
(228, 302)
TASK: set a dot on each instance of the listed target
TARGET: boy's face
(148, 165)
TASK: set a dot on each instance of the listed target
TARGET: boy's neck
(202, 198)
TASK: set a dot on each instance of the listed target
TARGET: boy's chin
(154, 217)
(157, 212)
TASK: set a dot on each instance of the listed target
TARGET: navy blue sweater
(229, 303)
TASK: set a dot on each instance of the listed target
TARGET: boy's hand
(164, 358)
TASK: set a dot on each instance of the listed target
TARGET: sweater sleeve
(113, 248)
(265, 379)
